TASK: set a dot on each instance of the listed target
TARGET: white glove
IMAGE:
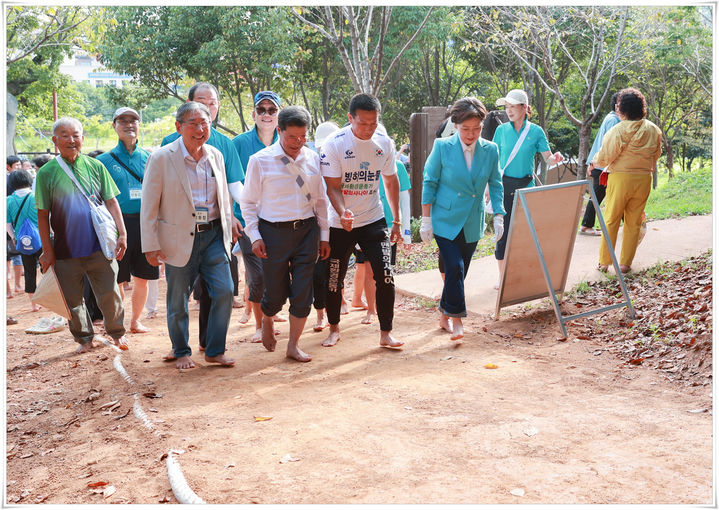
(498, 227)
(425, 231)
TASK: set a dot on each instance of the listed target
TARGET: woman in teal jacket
(456, 174)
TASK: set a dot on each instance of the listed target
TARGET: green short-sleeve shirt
(69, 209)
(404, 185)
(28, 211)
(523, 163)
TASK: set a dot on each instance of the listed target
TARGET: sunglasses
(262, 111)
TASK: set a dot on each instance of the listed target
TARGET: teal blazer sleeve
(456, 195)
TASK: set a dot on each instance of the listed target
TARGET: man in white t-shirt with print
(352, 161)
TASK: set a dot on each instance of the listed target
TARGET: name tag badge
(201, 215)
(135, 193)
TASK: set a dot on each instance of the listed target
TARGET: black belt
(293, 224)
(131, 215)
(204, 227)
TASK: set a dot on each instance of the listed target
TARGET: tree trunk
(585, 138)
(670, 155)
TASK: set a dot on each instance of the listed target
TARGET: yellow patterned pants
(626, 196)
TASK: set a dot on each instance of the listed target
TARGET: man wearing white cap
(126, 164)
(518, 140)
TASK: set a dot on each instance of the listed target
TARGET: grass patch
(688, 193)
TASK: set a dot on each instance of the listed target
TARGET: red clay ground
(425, 424)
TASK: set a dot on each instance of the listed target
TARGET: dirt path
(427, 424)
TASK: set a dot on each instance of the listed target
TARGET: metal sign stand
(562, 319)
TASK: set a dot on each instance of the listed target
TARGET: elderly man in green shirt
(76, 250)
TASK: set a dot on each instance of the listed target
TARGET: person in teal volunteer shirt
(207, 94)
(76, 250)
(21, 205)
(518, 170)
(600, 190)
(263, 134)
(126, 164)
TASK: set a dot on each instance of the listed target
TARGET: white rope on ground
(180, 489)
(183, 493)
(104, 341)
(140, 414)
(117, 363)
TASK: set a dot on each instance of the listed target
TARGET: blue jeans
(456, 256)
(208, 259)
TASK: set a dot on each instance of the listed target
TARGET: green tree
(359, 34)
(586, 43)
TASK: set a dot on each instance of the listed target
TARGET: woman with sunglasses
(263, 134)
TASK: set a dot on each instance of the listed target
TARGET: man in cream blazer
(186, 221)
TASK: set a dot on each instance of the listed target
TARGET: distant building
(85, 68)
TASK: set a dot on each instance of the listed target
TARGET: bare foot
(221, 360)
(245, 317)
(151, 314)
(298, 354)
(137, 327)
(496, 285)
(237, 304)
(387, 340)
(320, 325)
(36, 308)
(257, 337)
(185, 362)
(122, 343)
(343, 309)
(331, 339)
(280, 318)
(84, 348)
(444, 323)
(367, 319)
(268, 337)
(359, 306)
(170, 356)
(457, 329)
(10, 295)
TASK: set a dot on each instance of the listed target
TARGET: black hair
(632, 104)
(19, 179)
(467, 108)
(40, 160)
(201, 85)
(365, 102)
(11, 160)
(94, 154)
(613, 100)
(293, 116)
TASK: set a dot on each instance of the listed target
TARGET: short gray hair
(66, 121)
(191, 106)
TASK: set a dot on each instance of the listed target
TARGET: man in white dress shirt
(352, 161)
(284, 204)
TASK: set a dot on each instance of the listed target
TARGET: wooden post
(417, 156)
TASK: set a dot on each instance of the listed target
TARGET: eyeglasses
(203, 124)
(262, 111)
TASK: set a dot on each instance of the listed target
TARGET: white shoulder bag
(102, 220)
(515, 150)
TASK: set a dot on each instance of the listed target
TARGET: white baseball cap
(125, 110)
(323, 132)
(515, 96)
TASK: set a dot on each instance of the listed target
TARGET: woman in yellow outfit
(629, 153)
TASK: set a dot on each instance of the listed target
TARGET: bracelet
(396, 223)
